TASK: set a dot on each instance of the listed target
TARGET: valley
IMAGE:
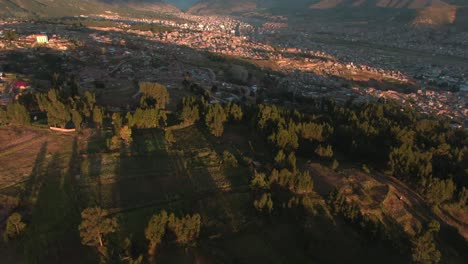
(233, 132)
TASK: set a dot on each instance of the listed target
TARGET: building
(19, 85)
(42, 39)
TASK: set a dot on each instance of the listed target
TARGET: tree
(147, 118)
(438, 191)
(156, 92)
(280, 157)
(406, 162)
(303, 183)
(314, 132)
(324, 152)
(115, 143)
(186, 229)
(234, 111)
(155, 230)
(117, 121)
(169, 136)
(433, 227)
(285, 139)
(17, 114)
(229, 159)
(124, 253)
(259, 181)
(292, 161)
(58, 113)
(335, 164)
(95, 226)
(14, 226)
(264, 203)
(77, 119)
(126, 134)
(90, 99)
(215, 119)
(337, 201)
(98, 115)
(189, 112)
(424, 249)
(269, 114)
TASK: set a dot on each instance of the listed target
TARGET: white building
(42, 39)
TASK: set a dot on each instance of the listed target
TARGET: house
(21, 85)
(42, 39)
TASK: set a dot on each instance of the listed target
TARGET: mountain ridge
(230, 7)
(61, 8)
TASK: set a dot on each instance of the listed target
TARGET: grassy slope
(232, 231)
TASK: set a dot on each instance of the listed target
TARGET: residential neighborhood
(122, 55)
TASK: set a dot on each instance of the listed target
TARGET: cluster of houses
(316, 66)
(38, 40)
(310, 71)
(11, 89)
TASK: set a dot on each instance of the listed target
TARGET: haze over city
(222, 131)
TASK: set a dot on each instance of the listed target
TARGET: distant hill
(239, 6)
(223, 7)
(398, 4)
(182, 4)
(144, 5)
(414, 12)
(442, 15)
(61, 8)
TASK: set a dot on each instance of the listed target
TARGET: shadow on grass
(34, 181)
(52, 235)
(148, 173)
(96, 145)
(52, 230)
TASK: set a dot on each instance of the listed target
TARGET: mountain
(144, 5)
(414, 12)
(397, 4)
(61, 8)
(223, 7)
(240, 6)
(182, 4)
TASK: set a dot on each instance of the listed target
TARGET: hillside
(413, 12)
(401, 4)
(230, 7)
(60, 8)
(17, 8)
(144, 5)
(182, 4)
(223, 7)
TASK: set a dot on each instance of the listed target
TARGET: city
(220, 131)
